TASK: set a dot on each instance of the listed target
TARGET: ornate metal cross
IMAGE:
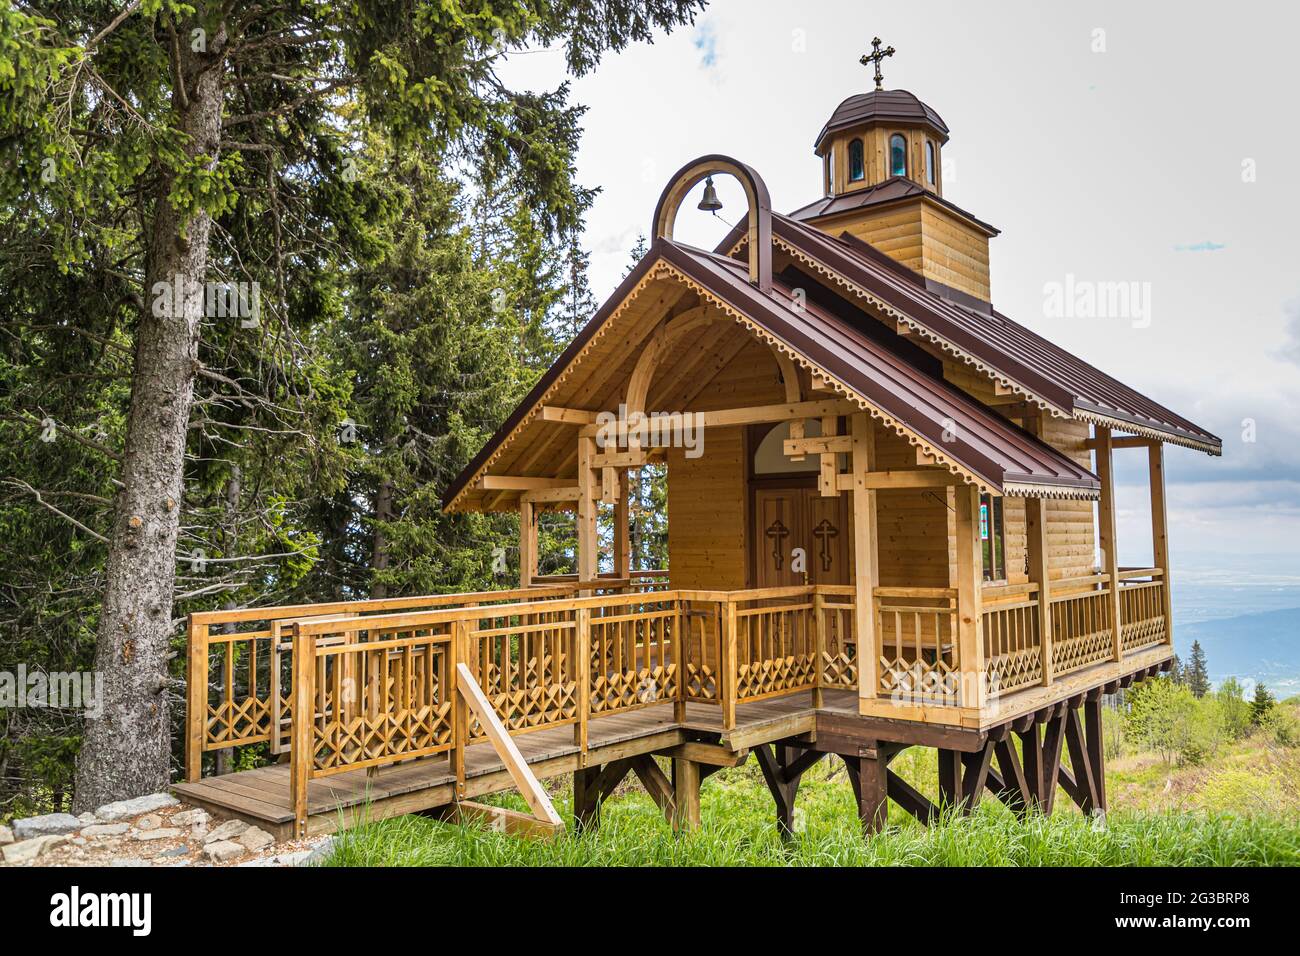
(874, 57)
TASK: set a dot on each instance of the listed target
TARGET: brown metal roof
(891, 190)
(881, 106)
(992, 340)
(1006, 457)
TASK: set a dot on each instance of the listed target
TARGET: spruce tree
(1198, 677)
(1261, 705)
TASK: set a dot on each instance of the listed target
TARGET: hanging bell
(710, 202)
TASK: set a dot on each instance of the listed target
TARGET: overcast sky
(1111, 142)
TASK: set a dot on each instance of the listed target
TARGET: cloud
(1206, 246)
(706, 41)
(1290, 350)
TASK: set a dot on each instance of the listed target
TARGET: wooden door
(790, 518)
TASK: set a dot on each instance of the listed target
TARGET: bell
(710, 202)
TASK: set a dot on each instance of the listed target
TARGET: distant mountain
(1264, 646)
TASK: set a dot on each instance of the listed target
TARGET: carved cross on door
(824, 533)
(777, 532)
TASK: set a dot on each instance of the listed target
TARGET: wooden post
(196, 708)
(304, 725)
(588, 489)
(1040, 574)
(729, 664)
(527, 543)
(1105, 469)
(1160, 531)
(586, 798)
(969, 585)
(873, 806)
(866, 564)
(582, 675)
(686, 794)
(622, 529)
(819, 646)
(460, 654)
(1096, 753)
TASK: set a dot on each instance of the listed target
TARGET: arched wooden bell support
(760, 209)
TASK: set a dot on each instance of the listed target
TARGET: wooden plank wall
(707, 514)
(911, 523)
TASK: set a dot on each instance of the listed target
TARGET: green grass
(739, 830)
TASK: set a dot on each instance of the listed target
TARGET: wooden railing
(359, 685)
(917, 645)
(238, 676)
(1142, 606)
(1013, 654)
(1082, 631)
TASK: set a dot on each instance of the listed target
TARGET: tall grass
(739, 830)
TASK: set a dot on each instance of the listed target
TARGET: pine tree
(1261, 705)
(151, 148)
(1198, 676)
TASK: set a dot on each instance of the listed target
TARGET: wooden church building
(891, 523)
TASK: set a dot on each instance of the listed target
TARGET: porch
(418, 704)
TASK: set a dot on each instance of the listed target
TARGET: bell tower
(882, 181)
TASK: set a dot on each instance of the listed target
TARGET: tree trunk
(379, 548)
(126, 751)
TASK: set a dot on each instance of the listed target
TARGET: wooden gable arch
(760, 209)
(671, 330)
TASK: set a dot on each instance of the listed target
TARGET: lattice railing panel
(1142, 612)
(1081, 630)
(776, 650)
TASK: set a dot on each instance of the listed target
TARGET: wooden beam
(656, 784)
(568, 416)
(498, 819)
(521, 483)
(622, 528)
(826, 444)
(1124, 441)
(588, 539)
(620, 459)
(907, 478)
(552, 495)
(1040, 574)
(714, 755)
(527, 544)
(529, 786)
(1160, 532)
(759, 414)
(1106, 526)
(969, 585)
(866, 559)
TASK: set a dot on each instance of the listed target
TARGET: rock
(106, 830)
(319, 853)
(49, 825)
(6, 836)
(135, 806)
(150, 822)
(87, 818)
(227, 831)
(189, 818)
(129, 861)
(79, 841)
(261, 861)
(174, 851)
(29, 850)
(255, 839)
(222, 850)
(162, 833)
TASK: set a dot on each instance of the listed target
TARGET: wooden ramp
(262, 796)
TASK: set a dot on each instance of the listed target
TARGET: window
(897, 155)
(857, 171)
(929, 162)
(992, 538)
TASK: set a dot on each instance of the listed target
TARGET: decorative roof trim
(970, 477)
(1133, 428)
(921, 331)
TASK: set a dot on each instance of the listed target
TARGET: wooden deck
(262, 796)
